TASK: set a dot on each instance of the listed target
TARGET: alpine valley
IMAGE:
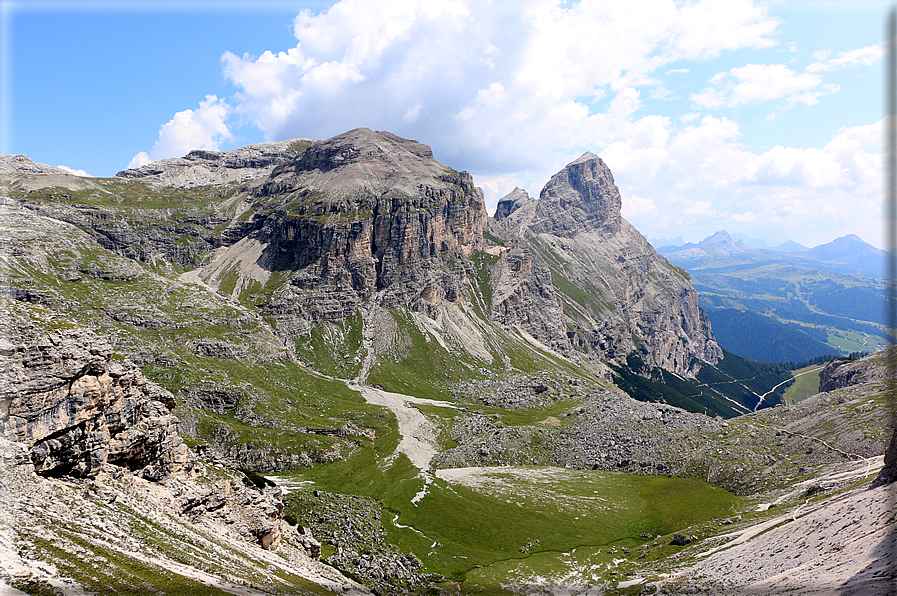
(310, 367)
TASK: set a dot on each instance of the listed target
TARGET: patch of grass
(493, 238)
(806, 383)
(302, 145)
(334, 348)
(424, 368)
(552, 510)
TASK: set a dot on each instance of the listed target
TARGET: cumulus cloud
(757, 83)
(485, 82)
(819, 192)
(512, 91)
(74, 172)
(203, 128)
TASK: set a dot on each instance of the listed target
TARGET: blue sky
(762, 118)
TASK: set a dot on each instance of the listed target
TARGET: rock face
(22, 164)
(524, 296)
(618, 295)
(364, 214)
(77, 407)
(203, 167)
(844, 373)
(873, 370)
(580, 198)
(510, 203)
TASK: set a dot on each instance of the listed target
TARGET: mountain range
(315, 366)
(779, 306)
(847, 254)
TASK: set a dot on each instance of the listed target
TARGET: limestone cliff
(618, 295)
(77, 406)
(362, 215)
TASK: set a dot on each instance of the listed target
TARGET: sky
(760, 118)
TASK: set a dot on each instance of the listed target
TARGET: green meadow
(500, 523)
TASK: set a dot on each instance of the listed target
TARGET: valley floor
(829, 534)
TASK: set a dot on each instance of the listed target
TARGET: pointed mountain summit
(618, 295)
(579, 198)
(511, 202)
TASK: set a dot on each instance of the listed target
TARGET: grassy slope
(806, 383)
(475, 527)
(551, 509)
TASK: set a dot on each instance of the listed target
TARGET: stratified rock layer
(618, 295)
(364, 214)
(76, 406)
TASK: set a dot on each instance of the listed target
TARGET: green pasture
(806, 383)
(517, 515)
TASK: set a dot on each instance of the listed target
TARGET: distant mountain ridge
(847, 254)
(790, 303)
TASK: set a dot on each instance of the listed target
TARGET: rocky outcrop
(77, 406)
(840, 373)
(888, 473)
(204, 167)
(580, 198)
(255, 514)
(364, 214)
(523, 296)
(618, 295)
(22, 165)
(510, 203)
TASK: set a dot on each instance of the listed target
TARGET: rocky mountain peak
(362, 165)
(581, 197)
(575, 228)
(363, 145)
(511, 202)
(361, 214)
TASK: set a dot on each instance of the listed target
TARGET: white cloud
(746, 217)
(635, 205)
(850, 59)
(484, 82)
(757, 83)
(75, 172)
(512, 91)
(710, 181)
(141, 159)
(203, 128)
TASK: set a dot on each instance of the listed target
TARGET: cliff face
(77, 407)
(618, 295)
(580, 198)
(838, 374)
(364, 214)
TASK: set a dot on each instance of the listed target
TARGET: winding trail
(757, 407)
